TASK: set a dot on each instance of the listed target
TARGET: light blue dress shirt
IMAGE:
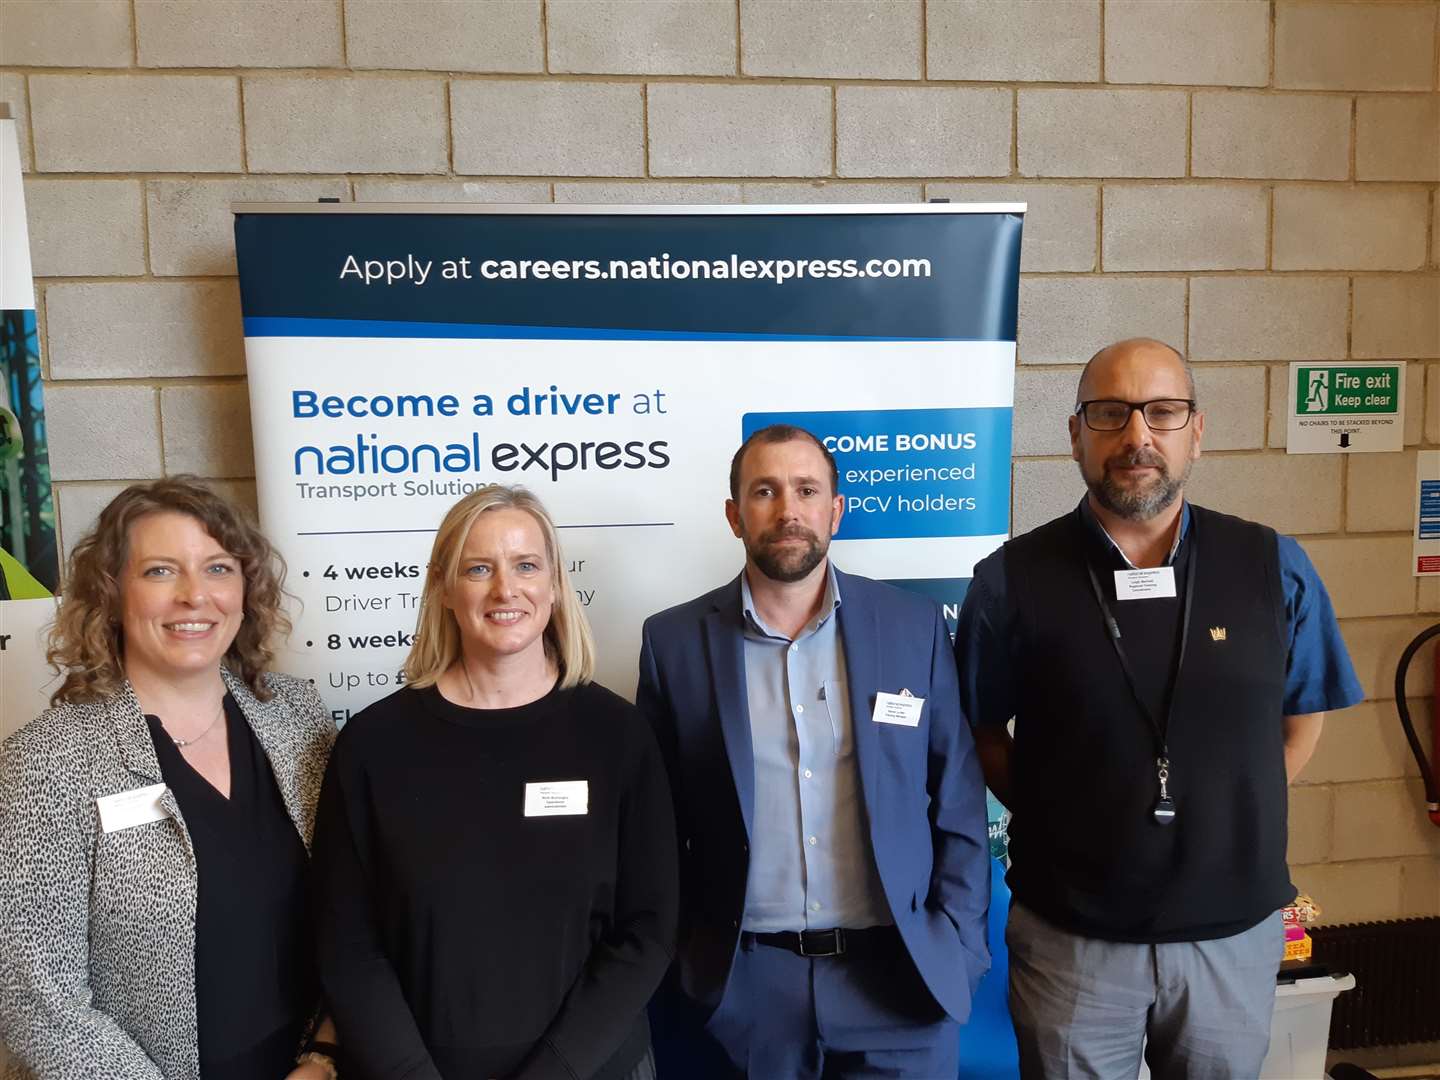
(811, 864)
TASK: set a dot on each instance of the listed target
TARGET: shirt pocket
(835, 704)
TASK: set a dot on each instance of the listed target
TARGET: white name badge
(557, 798)
(139, 806)
(1151, 584)
(903, 709)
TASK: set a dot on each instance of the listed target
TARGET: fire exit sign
(1346, 408)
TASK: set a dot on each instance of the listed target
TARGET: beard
(1140, 501)
(788, 564)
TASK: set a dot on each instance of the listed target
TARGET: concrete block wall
(1256, 181)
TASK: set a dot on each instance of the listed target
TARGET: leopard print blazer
(97, 930)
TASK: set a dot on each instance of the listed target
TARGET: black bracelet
(329, 1049)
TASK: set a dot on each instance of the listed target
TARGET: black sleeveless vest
(1086, 852)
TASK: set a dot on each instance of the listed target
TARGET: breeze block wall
(1253, 181)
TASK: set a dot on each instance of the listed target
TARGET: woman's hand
(310, 1070)
(317, 1059)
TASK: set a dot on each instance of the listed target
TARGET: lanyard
(1164, 812)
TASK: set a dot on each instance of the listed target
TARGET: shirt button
(794, 648)
(799, 708)
(815, 906)
(813, 841)
(808, 774)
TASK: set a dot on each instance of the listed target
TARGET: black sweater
(460, 938)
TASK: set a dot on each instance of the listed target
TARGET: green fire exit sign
(1339, 391)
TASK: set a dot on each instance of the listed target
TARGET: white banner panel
(379, 397)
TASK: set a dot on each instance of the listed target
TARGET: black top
(255, 980)
(461, 938)
(1085, 851)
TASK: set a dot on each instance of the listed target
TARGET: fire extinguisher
(1427, 772)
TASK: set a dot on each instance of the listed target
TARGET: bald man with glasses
(1167, 669)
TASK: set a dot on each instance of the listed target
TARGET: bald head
(1135, 352)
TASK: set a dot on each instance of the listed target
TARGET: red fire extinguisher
(1427, 772)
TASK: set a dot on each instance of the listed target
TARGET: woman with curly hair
(155, 821)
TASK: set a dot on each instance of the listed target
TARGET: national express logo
(369, 454)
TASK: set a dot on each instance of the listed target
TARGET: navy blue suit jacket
(924, 796)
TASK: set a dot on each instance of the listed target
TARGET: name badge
(139, 806)
(902, 708)
(1153, 584)
(557, 798)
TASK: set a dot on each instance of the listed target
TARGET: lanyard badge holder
(1164, 809)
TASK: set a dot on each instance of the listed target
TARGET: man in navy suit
(833, 857)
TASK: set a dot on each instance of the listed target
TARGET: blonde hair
(85, 642)
(568, 642)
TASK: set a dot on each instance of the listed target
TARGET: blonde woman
(495, 843)
(154, 822)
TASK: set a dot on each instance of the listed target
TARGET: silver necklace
(182, 743)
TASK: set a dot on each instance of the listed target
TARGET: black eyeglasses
(1162, 414)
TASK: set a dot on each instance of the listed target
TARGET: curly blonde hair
(86, 645)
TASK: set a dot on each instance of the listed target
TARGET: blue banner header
(783, 275)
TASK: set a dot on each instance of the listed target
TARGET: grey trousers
(1083, 1007)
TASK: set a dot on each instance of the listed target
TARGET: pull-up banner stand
(29, 555)
(611, 359)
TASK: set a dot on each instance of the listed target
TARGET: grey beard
(1140, 504)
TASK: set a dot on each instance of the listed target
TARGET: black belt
(836, 942)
